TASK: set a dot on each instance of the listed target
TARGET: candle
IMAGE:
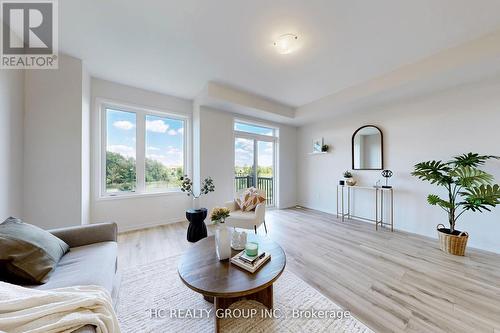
(251, 249)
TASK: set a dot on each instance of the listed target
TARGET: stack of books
(251, 264)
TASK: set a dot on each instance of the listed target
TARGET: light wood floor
(393, 282)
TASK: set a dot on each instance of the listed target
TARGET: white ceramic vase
(196, 203)
(222, 242)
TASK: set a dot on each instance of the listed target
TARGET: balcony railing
(264, 183)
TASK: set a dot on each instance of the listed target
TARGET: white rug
(155, 290)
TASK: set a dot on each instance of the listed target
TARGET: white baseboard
(122, 228)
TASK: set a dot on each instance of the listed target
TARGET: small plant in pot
(468, 189)
(348, 178)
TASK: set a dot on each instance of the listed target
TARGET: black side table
(197, 229)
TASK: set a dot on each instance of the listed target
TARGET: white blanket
(58, 310)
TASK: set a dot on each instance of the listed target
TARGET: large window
(142, 151)
(255, 158)
(121, 171)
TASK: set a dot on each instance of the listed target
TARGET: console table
(378, 200)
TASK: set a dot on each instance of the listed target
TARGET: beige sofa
(92, 260)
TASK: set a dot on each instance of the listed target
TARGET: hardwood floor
(393, 282)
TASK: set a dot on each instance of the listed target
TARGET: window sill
(140, 195)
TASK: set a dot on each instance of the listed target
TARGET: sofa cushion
(249, 199)
(28, 254)
(93, 264)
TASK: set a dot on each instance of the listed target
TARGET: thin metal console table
(379, 204)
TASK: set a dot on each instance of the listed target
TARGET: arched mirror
(367, 148)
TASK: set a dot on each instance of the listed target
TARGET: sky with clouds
(164, 140)
(164, 137)
(244, 148)
(244, 152)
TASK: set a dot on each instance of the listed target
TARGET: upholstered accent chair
(246, 220)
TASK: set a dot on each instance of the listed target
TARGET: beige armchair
(246, 220)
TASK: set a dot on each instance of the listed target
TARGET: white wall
(145, 211)
(85, 179)
(439, 126)
(53, 145)
(217, 157)
(11, 142)
(287, 167)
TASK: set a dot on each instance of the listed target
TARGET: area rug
(152, 298)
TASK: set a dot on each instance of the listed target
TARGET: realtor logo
(29, 34)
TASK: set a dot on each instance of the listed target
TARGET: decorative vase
(452, 244)
(222, 242)
(196, 203)
(238, 240)
(350, 181)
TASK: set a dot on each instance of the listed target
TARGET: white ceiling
(176, 47)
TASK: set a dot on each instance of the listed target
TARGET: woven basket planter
(452, 244)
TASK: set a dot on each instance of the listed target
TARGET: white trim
(247, 135)
(173, 220)
(256, 138)
(135, 195)
(258, 124)
(101, 104)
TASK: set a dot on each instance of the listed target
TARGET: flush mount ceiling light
(286, 44)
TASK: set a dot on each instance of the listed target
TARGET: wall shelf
(318, 153)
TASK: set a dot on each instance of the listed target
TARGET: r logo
(28, 27)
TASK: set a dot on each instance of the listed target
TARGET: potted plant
(348, 178)
(222, 238)
(468, 189)
(207, 186)
(197, 229)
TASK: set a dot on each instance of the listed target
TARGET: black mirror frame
(381, 147)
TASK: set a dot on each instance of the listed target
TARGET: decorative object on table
(348, 178)
(238, 240)
(222, 234)
(317, 145)
(377, 184)
(367, 148)
(197, 229)
(469, 189)
(341, 182)
(207, 186)
(324, 148)
(387, 174)
(251, 249)
(251, 264)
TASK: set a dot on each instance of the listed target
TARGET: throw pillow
(249, 199)
(28, 254)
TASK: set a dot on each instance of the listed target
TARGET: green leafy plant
(207, 186)
(347, 174)
(469, 188)
(219, 214)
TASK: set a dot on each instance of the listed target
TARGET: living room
(250, 167)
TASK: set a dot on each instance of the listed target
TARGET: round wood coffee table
(223, 283)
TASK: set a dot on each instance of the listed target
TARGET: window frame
(274, 139)
(140, 147)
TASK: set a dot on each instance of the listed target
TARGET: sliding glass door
(255, 159)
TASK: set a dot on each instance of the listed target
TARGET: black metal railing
(264, 183)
